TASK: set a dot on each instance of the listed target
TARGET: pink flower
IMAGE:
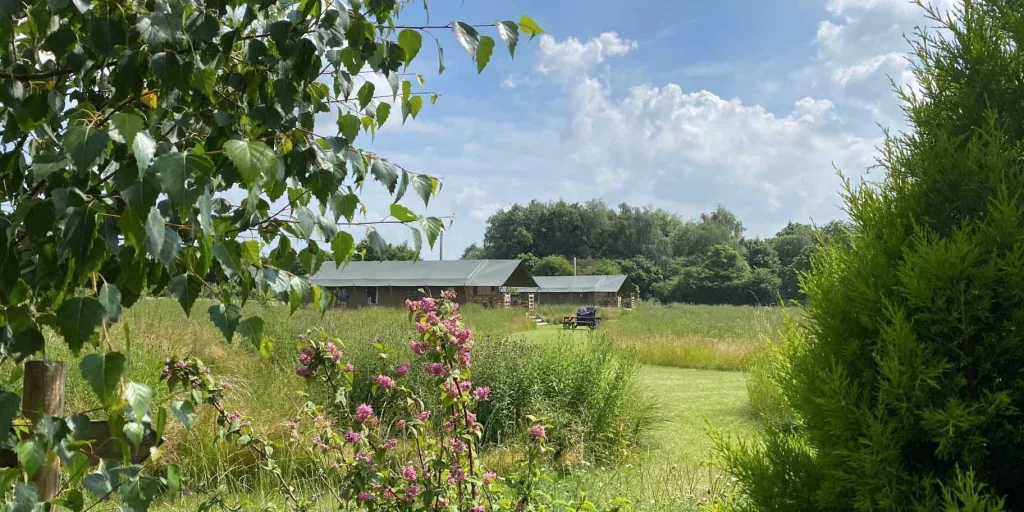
(424, 416)
(451, 388)
(478, 508)
(412, 491)
(457, 474)
(335, 353)
(363, 497)
(409, 473)
(349, 367)
(457, 445)
(166, 372)
(422, 328)
(490, 476)
(537, 432)
(389, 444)
(302, 371)
(385, 381)
(449, 294)
(226, 385)
(411, 305)
(402, 369)
(449, 426)
(465, 385)
(306, 357)
(428, 305)
(470, 419)
(433, 319)
(436, 369)
(353, 437)
(400, 424)
(363, 413)
(481, 393)
(364, 458)
(419, 347)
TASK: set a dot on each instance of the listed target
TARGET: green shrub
(906, 381)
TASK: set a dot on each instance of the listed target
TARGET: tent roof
(425, 273)
(578, 284)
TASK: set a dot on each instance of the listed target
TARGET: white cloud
(570, 58)
(846, 74)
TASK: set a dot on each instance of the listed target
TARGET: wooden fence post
(44, 394)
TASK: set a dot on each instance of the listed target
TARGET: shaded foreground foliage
(903, 388)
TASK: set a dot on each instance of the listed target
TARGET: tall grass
(695, 336)
(589, 395)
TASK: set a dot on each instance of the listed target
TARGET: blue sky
(681, 105)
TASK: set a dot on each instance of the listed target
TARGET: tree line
(705, 260)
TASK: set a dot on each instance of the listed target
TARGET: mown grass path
(667, 473)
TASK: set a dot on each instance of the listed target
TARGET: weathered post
(44, 394)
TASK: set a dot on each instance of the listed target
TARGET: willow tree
(128, 126)
(905, 381)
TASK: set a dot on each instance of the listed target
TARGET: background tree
(905, 378)
(387, 252)
(474, 252)
(555, 265)
(761, 254)
(148, 146)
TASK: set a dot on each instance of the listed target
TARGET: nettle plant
(128, 125)
(400, 454)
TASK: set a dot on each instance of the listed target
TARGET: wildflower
(306, 357)
(424, 416)
(302, 371)
(234, 416)
(364, 458)
(411, 305)
(449, 294)
(166, 372)
(363, 413)
(349, 368)
(186, 491)
(419, 347)
(465, 385)
(363, 497)
(451, 388)
(322, 446)
(321, 422)
(372, 421)
(333, 350)
(389, 494)
(402, 369)
(470, 419)
(489, 477)
(457, 474)
(400, 424)
(182, 364)
(477, 508)
(457, 445)
(353, 437)
(433, 319)
(385, 381)
(226, 385)
(389, 444)
(412, 491)
(428, 305)
(481, 393)
(537, 432)
(422, 327)
(449, 426)
(436, 369)
(409, 473)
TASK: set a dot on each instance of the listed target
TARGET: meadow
(631, 402)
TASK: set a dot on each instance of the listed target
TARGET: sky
(675, 104)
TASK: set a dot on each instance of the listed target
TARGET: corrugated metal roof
(577, 284)
(425, 273)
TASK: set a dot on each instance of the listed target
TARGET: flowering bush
(399, 454)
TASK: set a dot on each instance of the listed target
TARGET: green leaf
(184, 412)
(186, 288)
(252, 158)
(417, 240)
(162, 243)
(483, 53)
(31, 456)
(440, 58)
(173, 479)
(98, 483)
(383, 111)
(110, 298)
(225, 317)
(432, 227)
(344, 205)
(144, 147)
(467, 36)
(204, 79)
(425, 186)
(415, 105)
(124, 126)
(10, 407)
(159, 27)
(527, 25)
(342, 247)
(161, 422)
(77, 320)
(228, 254)
(205, 204)
(365, 94)
(85, 144)
(26, 497)
(133, 432)
(139, 397)
(170, 170)
(251, 329)
(348, 126)
(103, 373)
(509, 32)
(384, 172)
(402, 213)
(251, 252)
(46, 164)
(410, 41)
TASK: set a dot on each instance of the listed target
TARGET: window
(344, 294)
(414, 295)
(371, 296)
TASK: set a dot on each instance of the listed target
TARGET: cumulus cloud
(570, 58)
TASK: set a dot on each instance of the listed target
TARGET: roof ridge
(479, 266)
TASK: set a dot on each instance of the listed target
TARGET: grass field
(668, 472)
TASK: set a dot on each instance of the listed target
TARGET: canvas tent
(390, 283)
(592, 290)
